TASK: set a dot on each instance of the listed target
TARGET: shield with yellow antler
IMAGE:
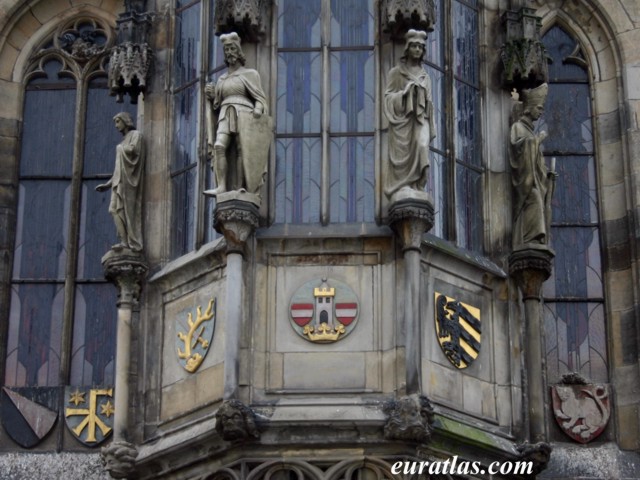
(194, 335)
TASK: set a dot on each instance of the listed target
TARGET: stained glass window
(574, 295)
(56, 336)
(325, 112)
(456, 161)
(196, 51)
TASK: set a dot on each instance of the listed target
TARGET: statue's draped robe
(126, 189)
(236, 92)
(408, 107)
(530, 185)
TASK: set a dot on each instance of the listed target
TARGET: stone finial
(410, 419)
(119, 458)
(236, 422)
(402, 15)
(241, 16)
(523, 55)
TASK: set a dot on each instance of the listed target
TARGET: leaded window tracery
(62, 316)
(574, 295)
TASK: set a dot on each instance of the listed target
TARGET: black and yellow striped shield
(458, 330)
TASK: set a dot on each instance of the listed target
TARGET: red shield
(582, 411)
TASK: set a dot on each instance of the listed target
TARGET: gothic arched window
(62, 319)
(574, 295)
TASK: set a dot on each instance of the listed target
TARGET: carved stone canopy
(241, 16)
(523, 55)
(401, 15)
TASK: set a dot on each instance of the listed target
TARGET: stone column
(410, 218)
(236, 218)
(126, 269)
(530, 266)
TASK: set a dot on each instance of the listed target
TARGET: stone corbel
(401, 15)
(410, 418)
(241, 16)
(524, 57)
(131, 57)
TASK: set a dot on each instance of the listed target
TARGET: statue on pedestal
(126, 185)
(408, 106)
(238, 128)
(532, 182)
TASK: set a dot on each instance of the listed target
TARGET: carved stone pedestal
(126, 269)
(530, 265)
(410, 216)
(236, 219)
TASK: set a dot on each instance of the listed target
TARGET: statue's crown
(416, 36)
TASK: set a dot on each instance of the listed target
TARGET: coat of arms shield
(582, 411)
(458, 330)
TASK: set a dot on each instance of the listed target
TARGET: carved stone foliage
(401, 15)
(119, 458)
(410, 419)
(236, 220)
(241, 16)
(523, 55)
(530, 267)
(411, 218)
(582, 409)
(236, 422)
(126, 270)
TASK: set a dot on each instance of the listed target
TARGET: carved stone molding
(236, 422)
(530, 266)
(401, 15)
(537, 453)
(410, 419)
(236, 220)
(241, 16)
(126, 269)
(410, 219)
(119, 458)
(523, 55)
(130, 60)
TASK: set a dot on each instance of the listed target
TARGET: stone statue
(126, 185)
(235, 421)
(238, 124)
(409, 418)
(408, 106)
(532, 182)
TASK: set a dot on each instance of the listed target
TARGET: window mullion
(199, 202)
(73, 231)
(325, 15)
(449, 107)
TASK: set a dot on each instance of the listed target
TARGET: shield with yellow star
(88, 413)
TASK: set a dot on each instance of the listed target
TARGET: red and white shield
(582, 411)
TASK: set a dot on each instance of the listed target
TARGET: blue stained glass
(575, 196)
(352, 184)
(187, 47)
(47, 146)
(467, 122)
(352, 104)
(576, 340)
(299, 24)
(94, 335)
(465, 43)
(298, 177)
(97, 231)
(437, 187)
(469, 210)
(568, 116)
(185, 142)
(438, 97)
(35, 327)
(184, 208)
(298, 94)
(101, 135)
(41, 242)
(560, 47)
(435, 43)
(352, 23)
